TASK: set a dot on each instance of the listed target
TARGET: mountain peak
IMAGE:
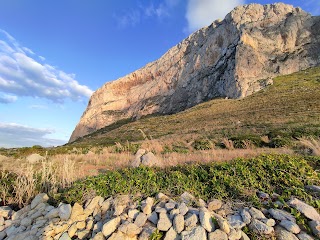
(231, 58)
(251, 13)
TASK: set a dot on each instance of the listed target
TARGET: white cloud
(201, 13)
(5, 98)
(132, 17)
(23, 73)
(17, 135)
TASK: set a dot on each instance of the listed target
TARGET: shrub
(278, 142)
(202, 144)
(128, 147)
(244, 141)
(238, 179)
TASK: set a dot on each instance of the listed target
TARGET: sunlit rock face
(231, 58)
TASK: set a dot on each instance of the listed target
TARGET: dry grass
(312, 145)
(228, 143)
(217, 155)
(29, 179)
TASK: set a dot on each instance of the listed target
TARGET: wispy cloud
(23, 73)
(201, 13)
(132, 17)
(38, 107)
(17, 135)
(5, 98)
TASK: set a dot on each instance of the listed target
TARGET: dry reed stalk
(228, 143)
(68, 173)
(24, 187)
(4, 188)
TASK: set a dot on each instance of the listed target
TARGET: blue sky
(54, 54)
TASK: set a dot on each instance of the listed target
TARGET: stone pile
(121, 217)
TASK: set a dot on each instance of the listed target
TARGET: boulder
(137, 158)
(149, 160)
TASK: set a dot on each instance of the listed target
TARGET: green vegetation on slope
(236, 180)
(290, 108)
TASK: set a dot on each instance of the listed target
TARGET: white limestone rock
(305, 209)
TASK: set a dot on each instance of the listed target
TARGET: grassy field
(286, 110)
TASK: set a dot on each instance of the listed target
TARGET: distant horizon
(54, 55)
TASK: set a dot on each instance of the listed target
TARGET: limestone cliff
(231, 58)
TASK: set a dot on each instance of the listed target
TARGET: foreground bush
(239, 179)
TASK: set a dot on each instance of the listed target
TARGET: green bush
(239, 141)
(128, 147)
(278, 142)
(177, 147)
(202, 144)
(239, 179)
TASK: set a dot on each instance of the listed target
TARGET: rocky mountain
(231, 58)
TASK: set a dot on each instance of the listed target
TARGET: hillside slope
(232, 58)
(290, 107)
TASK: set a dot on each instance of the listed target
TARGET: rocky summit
(231, 58)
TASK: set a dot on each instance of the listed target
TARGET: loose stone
(290, 226)
(305, 209)
(218, 235)
(164, 223)
(283, 234)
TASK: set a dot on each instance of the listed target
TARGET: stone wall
(121, 217)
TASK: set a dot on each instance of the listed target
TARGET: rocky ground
(123, 217)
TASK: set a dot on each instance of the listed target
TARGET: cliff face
(232, 58)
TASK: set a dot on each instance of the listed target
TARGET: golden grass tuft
(312, 144)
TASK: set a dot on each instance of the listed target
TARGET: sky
(55, 54)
